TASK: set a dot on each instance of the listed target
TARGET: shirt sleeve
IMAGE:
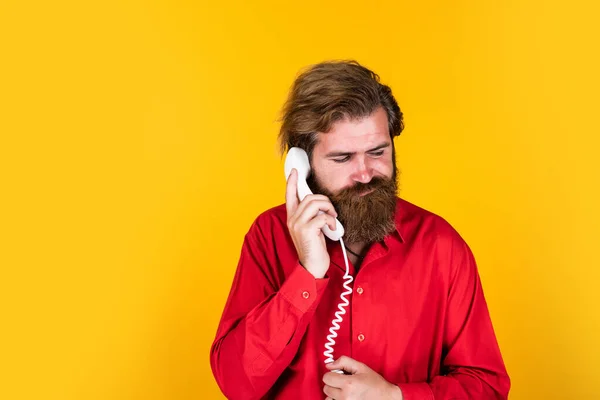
(472, 366)
(262, 324)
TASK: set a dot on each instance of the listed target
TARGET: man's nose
(363, 172)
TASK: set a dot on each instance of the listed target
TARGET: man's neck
(356, 253)
(358, 247)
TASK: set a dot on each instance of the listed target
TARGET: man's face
(353, 165)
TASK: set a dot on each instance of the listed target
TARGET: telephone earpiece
(298, 159)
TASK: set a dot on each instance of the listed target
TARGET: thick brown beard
(368, 218)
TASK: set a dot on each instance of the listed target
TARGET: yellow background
(138, 144)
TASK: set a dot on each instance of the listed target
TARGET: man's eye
(377, 153)
(341, 160)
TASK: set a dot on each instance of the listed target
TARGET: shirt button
(361, 337)
(306, 295)
(359, 290)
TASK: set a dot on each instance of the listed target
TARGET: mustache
(359, 187)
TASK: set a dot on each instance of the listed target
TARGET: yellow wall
(138, 144)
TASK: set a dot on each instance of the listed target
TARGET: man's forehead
(341, 141)
(356, 133)
(351, 138)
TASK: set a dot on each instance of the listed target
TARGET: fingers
(300, 214)
(336, 380)
(312, 204)
(294, 205)
(347, 364)
(320, 221)
(332, 393)
(291, 193)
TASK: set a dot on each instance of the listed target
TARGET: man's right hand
(305, 223)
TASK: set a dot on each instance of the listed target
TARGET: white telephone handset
(298, 159)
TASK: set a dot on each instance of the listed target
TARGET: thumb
(347, 364)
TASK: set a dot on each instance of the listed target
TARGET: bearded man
(417, 324)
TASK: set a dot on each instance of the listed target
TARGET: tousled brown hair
(329, 92)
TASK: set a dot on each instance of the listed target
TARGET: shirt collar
(397, 234)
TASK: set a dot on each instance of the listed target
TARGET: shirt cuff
(301, 289)
(416, 391)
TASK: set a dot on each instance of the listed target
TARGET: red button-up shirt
(417, 315)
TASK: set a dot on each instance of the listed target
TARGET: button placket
(357, 324)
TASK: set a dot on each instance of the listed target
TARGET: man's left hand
(362, 384)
